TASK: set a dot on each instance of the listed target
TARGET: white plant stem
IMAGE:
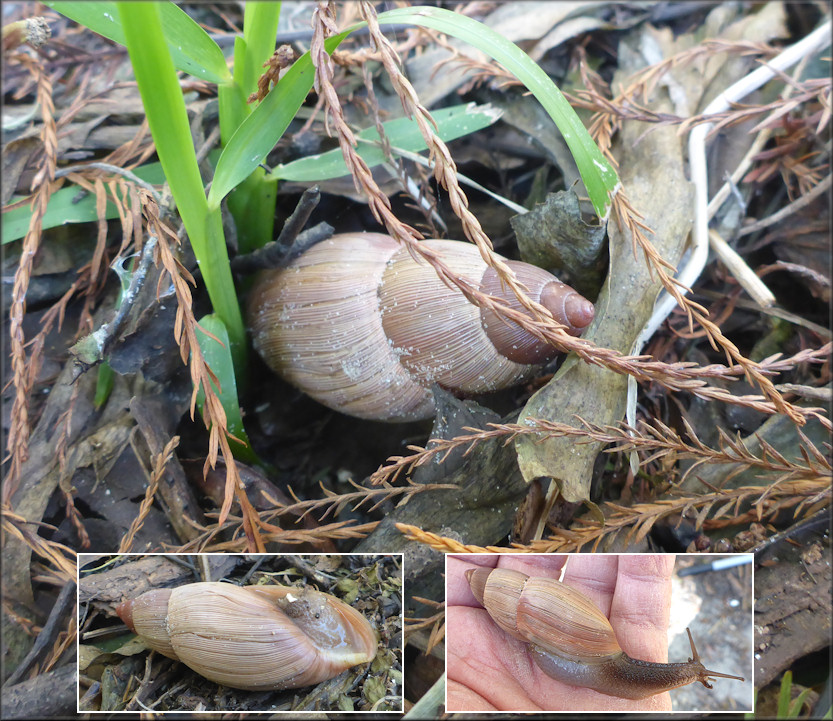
(690, 272)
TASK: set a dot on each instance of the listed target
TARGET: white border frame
(750, 676)
(227, 711)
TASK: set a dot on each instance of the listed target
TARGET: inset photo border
(191, 633)
(596, 632)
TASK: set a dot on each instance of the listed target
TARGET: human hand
(489, 670)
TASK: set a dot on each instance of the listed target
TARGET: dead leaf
(653, 176)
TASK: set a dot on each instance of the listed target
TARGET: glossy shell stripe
(234, 637)
(545, 612)
(317, 324)
(562, 620)
(513, 341)
(437, 334)
(498, 591)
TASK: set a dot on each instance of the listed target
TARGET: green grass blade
(218, 357)
(598, 175)
(70, 205)
(192, 50)
(260, 26)
(168, 121)
(798, 702)
(404, 133)
(252, 203)
(258, 134)
(784, 695)
(165, 110)
(232, 99)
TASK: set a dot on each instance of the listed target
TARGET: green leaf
(798, 703)
(103, 384)
(191, 48)
(259, 133)
(784, 695)
(403, 133)
(70, 205)
(218, 357)
(260, 26)
(598, 175)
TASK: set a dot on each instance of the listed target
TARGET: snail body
(252, 637)
(572, 641)
(362, 327)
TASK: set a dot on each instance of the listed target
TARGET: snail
(572, 641)
(363, 328)
(252, 637)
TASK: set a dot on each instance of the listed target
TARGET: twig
(158, 471)
(331, 531)
(788, 210)
(691, 271)
(130, 175)
(60, 556)
(94, 348)
(814, 42)
(657, 440)
(821, 331)
(298, 219)
(640, 518)
(291, 242)
(275, 254)
(185, 331)
(757, 145)
(65, 600)
(335, 503)
(736, 265)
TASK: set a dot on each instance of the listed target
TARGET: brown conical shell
(566, 305)
(239, 637)
(545, 612)
(438, 335)
(561, 619)
(253, 638)
(361, 326)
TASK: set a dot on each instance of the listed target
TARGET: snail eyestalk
(705, 673)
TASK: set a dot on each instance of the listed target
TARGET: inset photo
(599, 632)
(254, 632)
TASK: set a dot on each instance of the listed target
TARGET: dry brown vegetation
(732, 421)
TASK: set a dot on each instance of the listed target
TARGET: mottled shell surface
(256, 638)
(359, 325)
(545, 612)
